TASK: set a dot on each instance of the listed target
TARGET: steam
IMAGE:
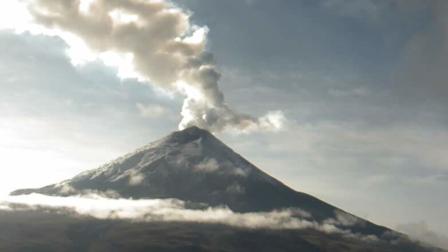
(176, 210)
(149, 40)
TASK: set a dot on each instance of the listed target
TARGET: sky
(341, 99)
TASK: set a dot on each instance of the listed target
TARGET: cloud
(174, 210)
(419, 71)
(250, 2)
(136, 178)
(422, 69)
(420, 231)
(353, 92)
(354, 8)
(151, 110)
(375, 11)
(152, 41)
(345, 219)
(208, 165)
(236, 188)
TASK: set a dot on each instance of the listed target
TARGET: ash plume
(153, 41)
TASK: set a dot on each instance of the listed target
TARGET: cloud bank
(149, 40)
(175, 210)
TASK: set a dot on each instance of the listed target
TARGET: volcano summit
(195, 167)
(190, 165)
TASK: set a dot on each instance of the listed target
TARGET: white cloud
(208, 165)
(151, 41)
(136, 178)
(173, 210)
(239, 171)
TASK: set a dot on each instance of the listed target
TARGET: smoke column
(149, 40)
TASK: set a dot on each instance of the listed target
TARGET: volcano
(194, 166)
(190, 165)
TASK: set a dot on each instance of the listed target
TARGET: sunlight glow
(30, 157)
(13, 15)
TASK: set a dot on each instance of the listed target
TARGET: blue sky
(362, 85)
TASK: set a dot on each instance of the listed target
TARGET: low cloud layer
(152, 41)
(176, 210)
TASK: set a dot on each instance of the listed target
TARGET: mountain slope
(54, 231)
(194, 166)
